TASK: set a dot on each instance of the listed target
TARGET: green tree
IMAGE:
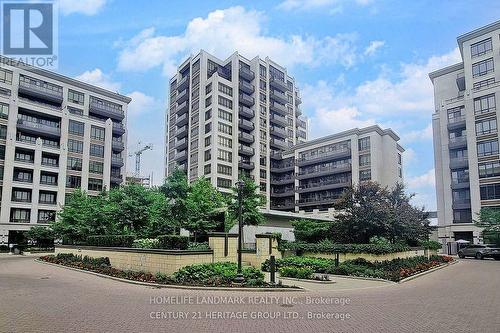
(160, 220)
(41, 236)
(311, 231)
(489, 220)
(176, 189)
(202, 201)
(251, 204)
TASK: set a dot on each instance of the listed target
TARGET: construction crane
(138, 154)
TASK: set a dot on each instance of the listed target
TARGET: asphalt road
(35, 297)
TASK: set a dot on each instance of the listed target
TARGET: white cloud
(86, 7)
(224, 31)
(318, 4)
(141, 103)
(417, 135)
(373, 47)
(409, 156)
(98, 78)
(425, 180)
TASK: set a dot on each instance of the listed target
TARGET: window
(96, 167)
(223, 155)
(20, 215)
(208, 128)
(462, 216)
(489, 169)
(208, 101)
(225, 102)
(208, 114)
(95, 184)
(21, 195)
(364, 144)
(46, 216)
(208, 155)
(5, 76)
(400, 159)
(482, 67)
(76, 97)
(224, 170)
(50, 160)
(208, 88)
(2, 152)
(48, 178)
(225, 115)
(460, 176)
(74, 163)
(208, 140)
(485, 104)
(73, 181)
(75, 146)
(262, 71)
(97, 133)
(364, 160)
(3, 132)
(4, 110)
(481, 47)
(483, 83)
(76, 111)
(225, 142)
(225, 89)
(223, 183)
(487, 148)
(24, 156)
(365, 175)
(490, 191)
(227, 129)
(76, 128)
(487, 126)
(207, 169)
(22, 175)
(49, 198)
(96, 150)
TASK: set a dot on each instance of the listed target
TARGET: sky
(356, 62)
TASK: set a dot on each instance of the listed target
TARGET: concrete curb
(158, 285)
(409, 278)
(306, 280)
(361, 278)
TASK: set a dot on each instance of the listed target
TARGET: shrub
(216, 274)
(146, 243)
(296, 272)
(311, 231)
(431, 245)
(318, 265)
(173, 242)
(198, 246)
(111, 240)
(326, 246)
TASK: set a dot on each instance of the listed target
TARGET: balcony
(247, 73)
(180, 144)
(279, 96)
(40, 91)
(318, 172)
(301, 123)
(286, 205)
(116, 162)
(181, 132)
(98, 107)
(298, 100)
(37, 128)
(117, 145)
(247, 165)
(456, 123)
(457, 142)
(461, 204)
(245, 150)
(118, 128)
(460, 183)
(461, 81)
(182, 108)
(317, 201)
(246, 124)
(459, 163)
(278, 84)
(279, 120)
(276, 154)
(333, 155)
(324, 185)
(183, 96)
(246, 100)
(181, 156)
(247, 87)
(181, 120)
(282, 167)
(281, 193)
(116, 179)
(278, 108)
(246, 112)
(278, 144)
(278, 131)
(183, 83)
(288, 179)
(246, 137)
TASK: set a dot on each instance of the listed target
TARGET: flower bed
(326, 246)
(205, 275)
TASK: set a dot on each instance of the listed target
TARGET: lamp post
(239, 276)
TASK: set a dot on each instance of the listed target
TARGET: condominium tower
(56, 134)
(233, 116)
(466, 153)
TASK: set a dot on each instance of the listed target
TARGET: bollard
(272, 269)
(336, 259)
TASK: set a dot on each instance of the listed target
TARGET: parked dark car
(480, 251)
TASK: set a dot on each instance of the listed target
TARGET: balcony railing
(456, 119)
(242, 164)
(279, 143)
(183, 83)
(117, 161)
(337, 168)
(245, 150)
(279, 108)
(247, 87)
(118, 128)
(246, 124)
(246, 100)
(40, 91)
(246, 112)
(245, 137)
(182, 108)
(117, 145)
(339, 153)
(38, 128)
(103, 109)
(183, 96)
(278, 131)
(278, 84)
(247, 73)
(277, 119)
(279, 96)
(117, 179)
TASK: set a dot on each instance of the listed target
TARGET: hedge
(173, 242)
(317, 265)
(330, 247)
(111, 240)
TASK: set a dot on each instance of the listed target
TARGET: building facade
(466, 153)
(233, 116)
(313, 174)
(56, 134)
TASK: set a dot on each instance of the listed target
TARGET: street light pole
(239, 275)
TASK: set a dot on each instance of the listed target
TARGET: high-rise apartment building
(56, 134)
(233, 116)
(467, 160)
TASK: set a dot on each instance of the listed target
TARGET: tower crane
(138, 154)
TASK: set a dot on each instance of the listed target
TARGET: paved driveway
(40, 298)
